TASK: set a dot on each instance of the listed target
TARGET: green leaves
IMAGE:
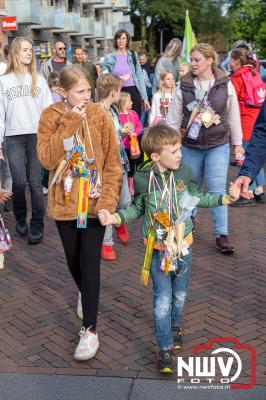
(248, 22)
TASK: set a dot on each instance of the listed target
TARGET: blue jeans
(25, 168)
(169, 295)
(211, 165)
(260, 178)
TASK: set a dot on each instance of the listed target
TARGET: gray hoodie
(19, 111)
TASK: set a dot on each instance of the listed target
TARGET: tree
(149, 16)
(248, 22)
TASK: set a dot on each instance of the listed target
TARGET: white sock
(258, 190)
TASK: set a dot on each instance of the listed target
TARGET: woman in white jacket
(23, 96)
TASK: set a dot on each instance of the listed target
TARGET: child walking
(166, 194)
(131, 127)
(162, 99)
(184, 68)
(77, 144)
(109, 89)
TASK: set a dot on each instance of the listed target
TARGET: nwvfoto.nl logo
(222, 365)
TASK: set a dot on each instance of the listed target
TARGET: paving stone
(39, 326)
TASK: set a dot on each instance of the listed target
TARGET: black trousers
(135, 97)
(83, 253)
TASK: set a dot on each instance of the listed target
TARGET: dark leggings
(135, 97)
(83, 253)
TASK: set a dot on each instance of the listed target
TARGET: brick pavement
(39, 325)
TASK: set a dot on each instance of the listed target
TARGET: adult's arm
(106, 65)
(256, 150)
(234, 121)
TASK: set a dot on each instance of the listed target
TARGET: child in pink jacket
(131, 125)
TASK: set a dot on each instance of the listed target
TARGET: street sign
(9, 24)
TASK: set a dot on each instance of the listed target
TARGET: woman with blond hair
(168, 62)
(205, 110)
(24, 94)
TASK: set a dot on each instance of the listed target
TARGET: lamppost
(161, 38)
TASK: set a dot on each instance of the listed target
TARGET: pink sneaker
(122, 233)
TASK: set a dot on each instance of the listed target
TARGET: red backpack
(254, 89)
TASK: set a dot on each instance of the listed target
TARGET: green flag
(189, 40)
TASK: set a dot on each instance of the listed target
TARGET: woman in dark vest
(205, 110)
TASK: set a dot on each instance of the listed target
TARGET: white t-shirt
(160, 106)
(3, 68)
(19, 110)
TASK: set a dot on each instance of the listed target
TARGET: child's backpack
(254, 89)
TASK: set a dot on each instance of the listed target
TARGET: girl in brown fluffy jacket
(77, 118)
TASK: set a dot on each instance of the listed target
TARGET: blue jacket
(256, 150)
(137, 74)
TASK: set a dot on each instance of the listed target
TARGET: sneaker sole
(22, 233)
(177, 347)
(84, 357)
(166, 370)
(243, 205)
(225, 251)
(123, 241)
(34, 241)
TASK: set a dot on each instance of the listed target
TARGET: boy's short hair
(158, 136)
(106, 83)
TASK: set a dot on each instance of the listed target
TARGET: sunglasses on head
(61, 48)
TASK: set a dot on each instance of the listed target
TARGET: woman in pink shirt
(131, 126)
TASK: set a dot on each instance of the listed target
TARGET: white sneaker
(79, 308)
(88, 345)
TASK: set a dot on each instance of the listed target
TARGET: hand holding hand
(106, 218)
(238, 149)
(234, 193)
(243, 183)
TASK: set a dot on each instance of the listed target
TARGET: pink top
(133, 117)
(122, 68)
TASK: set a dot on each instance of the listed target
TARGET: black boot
(22, 228)
(166, 365)
(35, 236)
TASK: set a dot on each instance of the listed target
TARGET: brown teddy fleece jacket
(57, 124)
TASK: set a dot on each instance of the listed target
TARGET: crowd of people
(124, 139)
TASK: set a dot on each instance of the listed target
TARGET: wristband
(225, 200)
(117, 219)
